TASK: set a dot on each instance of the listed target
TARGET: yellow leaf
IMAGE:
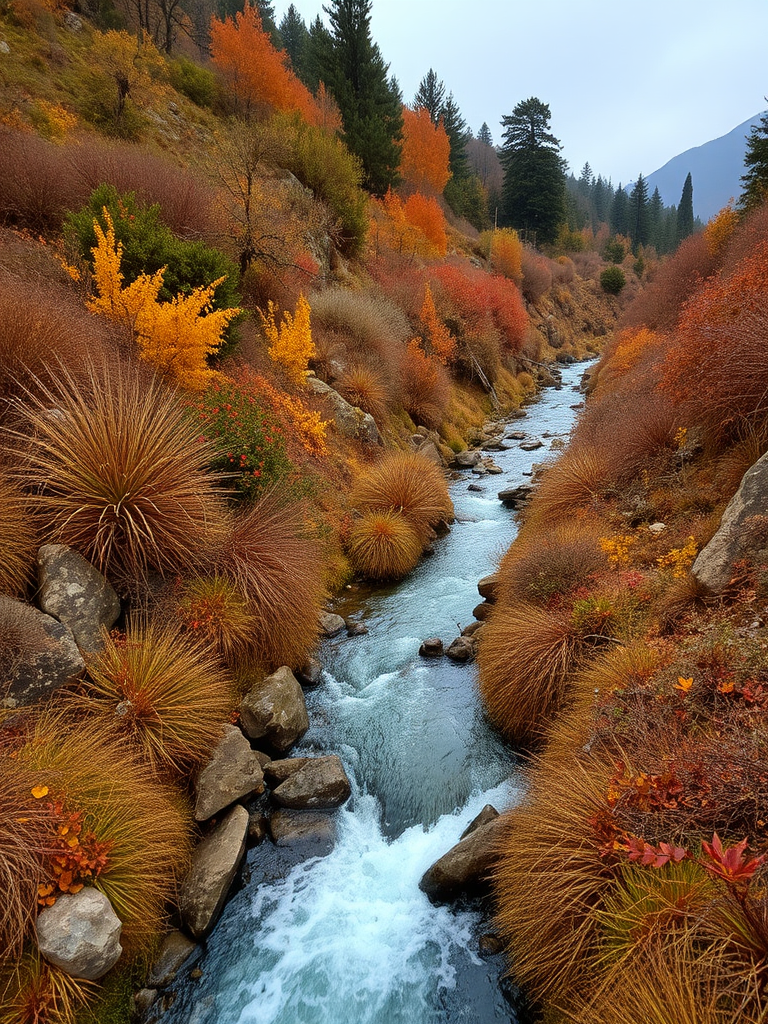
(38, 792)
(684, 684)
(44, 890)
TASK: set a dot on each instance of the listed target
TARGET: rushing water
(349, 938)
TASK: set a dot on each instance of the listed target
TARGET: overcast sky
(629, 85)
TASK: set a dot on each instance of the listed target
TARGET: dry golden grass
(33, 991)
(366, 322)
(213, 609)
(277, 569)
(119, 473)
(406, 483)
(363, 386)
(146, 823)
(575, 482)
(526, 658)
(383, 545)
(18, 538)
(162, 690)
(542, 563)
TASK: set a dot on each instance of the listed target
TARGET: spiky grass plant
(18, 538)
(33, 991)
(406, 483)
(120, 473)
(144, 823)
(383, 545)
(550, 877)
(543, 563)
(364, 386)
(164, 691)
(269, 557)
(526, 657)
(573, 484)
(213, 609)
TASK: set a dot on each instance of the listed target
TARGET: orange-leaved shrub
(119, 473)
(290, 340)
(425, 153)
(537, 276)
(475, 300)
(426, 386)
(434, 331)
(383, 545)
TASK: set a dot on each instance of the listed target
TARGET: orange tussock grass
(166, 693)
(526, 658)
(426, 386)
(406, 483)
(145, 823)
(213, 609)
(33, 991)
(277, 568)
(123, 472)
(543, 563)
(23, 832)
(574, 482)
(18, 538)
(550, 877)
(383, 545)
(362, 385)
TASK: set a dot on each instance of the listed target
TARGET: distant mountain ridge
(716, 168)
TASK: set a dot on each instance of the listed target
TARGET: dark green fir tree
(755, 180)
(685, 210)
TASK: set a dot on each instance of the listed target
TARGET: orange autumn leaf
(38, 792)
(684, 684)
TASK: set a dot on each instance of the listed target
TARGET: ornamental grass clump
(213, 609)
(119, 473)
(543, 564)
(164, 692)
(34, 991)
(383, 545)
(18, 538)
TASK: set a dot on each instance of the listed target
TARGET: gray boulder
(743, 531)
(210, 876)
(234, 771)
(465, 460)
(464, 868)
(513, 496)
(531, 446)
(75, 593)
(38, 654)
(350, 421)
(320, 782)
(274, 711)
(331, 624)
(175, 950)
(431, 648)
(291, 828)
(277, 772)
(80, 934)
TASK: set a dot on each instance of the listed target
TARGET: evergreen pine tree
(619, 215)
(685, 210)
(371, 104)
(602, 197)
(431, 96)
(655, 211)
(755, 181)
(484, 135)
(533, 196)
(317, 56)
(294, 34)
(639, 220)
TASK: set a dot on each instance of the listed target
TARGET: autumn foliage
(425, 153)
(290, 340)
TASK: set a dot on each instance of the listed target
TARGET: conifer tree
(639, 222)
(685, 210)
(317, 56)
(431, 96)
(755, 181)
(356, 75)
(484, 135)
(655, 212)
(293, 34)
(533, 197)
(619, 216)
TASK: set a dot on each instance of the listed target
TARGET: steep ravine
(349, 938)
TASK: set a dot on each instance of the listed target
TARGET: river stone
(517, 435)
(234, 771)
(274, 711)
(310, 673)
(429, 450)
(142, 1002)
(213, 869)
(331, 624)
(495, 445)
(483, 610)
(476, 488)
(288, 828)
(38, 654)
(175, 950)
(488, 813)
(472, 629)
(321, 782)
(357, 629)
(742, 531)
(432, 648)
(80, 934)
(465, 460)
(461, 649)
(350, 421)
(531, 446)
(464, 868)
(75, 592)
(488, 586)
(278, 771)
(512, 496)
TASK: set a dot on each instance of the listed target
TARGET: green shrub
(196, 83)
(614, 251)
(149, 245)
(612, 280)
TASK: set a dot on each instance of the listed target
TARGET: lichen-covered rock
(234, 771)
(76, 593)
(38, 654)
(350, 421)
(274, 711)
(80, 934)
(210, 876)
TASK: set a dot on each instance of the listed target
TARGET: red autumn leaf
(731, 864)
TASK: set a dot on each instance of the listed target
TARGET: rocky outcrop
(80, 934)
(76, 593)
(213, 869)
(464, 868)
(38, 654)
(320, 782)
(350, 421)
(274, 711)
(234, 771)
(743, 531)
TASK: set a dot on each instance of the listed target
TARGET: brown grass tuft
(18, 538)
(163, 691)
(543, 563)
(574, 482)
(213, 609)
(119, 473)
(33, 991)
(406, 483)
(383, 545)
(362, 385)
(426, 387)
(277, 569)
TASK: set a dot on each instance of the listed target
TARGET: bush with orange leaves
(426, 386)
(290, 341)
(425, 153)
(434, 331)
(505, 252)
(414, 227)
(477, 300)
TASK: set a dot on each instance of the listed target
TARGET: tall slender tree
(484, 135)
(685, 210)
(533, 196)
(639, 221)
(431, 96)
(371, 104)
(619, 215)
(755, 181)
(294, 34)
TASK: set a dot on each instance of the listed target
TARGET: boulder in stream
(320, 782)
(431, 648)
(274, 711)
(463, 870)
(211, 873)
(461, 649)
(233, 771)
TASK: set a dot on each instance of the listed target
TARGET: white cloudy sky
(629, 85)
